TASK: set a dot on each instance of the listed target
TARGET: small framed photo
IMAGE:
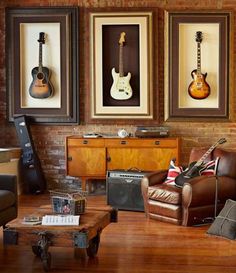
(42, 64)
(121, 65)
(197, 66)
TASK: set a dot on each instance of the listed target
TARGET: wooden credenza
(89, 158)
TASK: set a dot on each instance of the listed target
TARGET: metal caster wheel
(46, 260)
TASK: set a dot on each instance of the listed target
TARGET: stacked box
(68, 202)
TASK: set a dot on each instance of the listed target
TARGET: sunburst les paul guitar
(199, 89)
(121, 89)
(40, 87)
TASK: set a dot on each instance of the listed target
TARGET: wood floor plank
(133, 245)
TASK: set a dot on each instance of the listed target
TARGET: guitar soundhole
(40, 76)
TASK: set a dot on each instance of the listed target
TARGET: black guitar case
(30, 166)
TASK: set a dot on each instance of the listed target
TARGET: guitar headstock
(222, 140)
(41, 38)
(122, 38)
(198, 36)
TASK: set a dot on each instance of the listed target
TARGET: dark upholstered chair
(195, 202)
(8, 198)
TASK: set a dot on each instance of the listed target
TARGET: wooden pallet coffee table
(84, 238)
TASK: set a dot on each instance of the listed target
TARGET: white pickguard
(121, 89)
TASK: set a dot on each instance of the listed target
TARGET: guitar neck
(121, 64)
(209, 151)
(40, 57)
(198, 58)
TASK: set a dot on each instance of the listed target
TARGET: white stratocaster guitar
(121, 89)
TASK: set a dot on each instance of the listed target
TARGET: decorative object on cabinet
(152, 131)
(92, 158)
(122, 133)
(212, 58)
(60, 28)
(121, 88)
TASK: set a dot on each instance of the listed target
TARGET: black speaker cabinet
(124, 190)
(30, 167)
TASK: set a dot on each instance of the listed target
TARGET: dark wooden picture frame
(105, 30)
(21, 23)
(180, 28)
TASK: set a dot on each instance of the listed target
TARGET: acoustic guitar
(40, 87)
(199, 89)
(121, 89)
(194, 168)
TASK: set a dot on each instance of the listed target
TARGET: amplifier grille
(124, 190)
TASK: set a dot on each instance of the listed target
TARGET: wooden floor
(134, 244)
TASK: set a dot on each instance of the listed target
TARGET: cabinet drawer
(155, 142)
(88, 142)
(144, 158)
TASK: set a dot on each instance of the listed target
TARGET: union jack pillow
(173, 172)
(208, 168)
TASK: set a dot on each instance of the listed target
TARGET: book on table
(60, 220)
(32, 220)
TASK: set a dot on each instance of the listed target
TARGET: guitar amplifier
(124, 189)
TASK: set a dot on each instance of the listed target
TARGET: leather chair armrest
(201, 190)
(151, 179)
(154, 178)
(8, 182)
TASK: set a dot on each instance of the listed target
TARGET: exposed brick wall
(50, 140)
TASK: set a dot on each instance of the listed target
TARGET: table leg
(84, 245)
(41, 250)
(93, 246)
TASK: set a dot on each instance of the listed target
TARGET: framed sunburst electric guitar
(121, 89)
(40, 87)
(199, 89)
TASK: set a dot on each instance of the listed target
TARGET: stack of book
(32, 220)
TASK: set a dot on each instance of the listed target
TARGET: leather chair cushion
(7, 199)
(165, 210)
(166, 194)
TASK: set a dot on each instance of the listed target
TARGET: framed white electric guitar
(121, 89)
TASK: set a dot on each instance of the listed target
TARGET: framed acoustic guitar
(199, 89)
(40, 87)
(121, 89)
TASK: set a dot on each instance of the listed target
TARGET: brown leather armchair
(195, 202)
(8, 198)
